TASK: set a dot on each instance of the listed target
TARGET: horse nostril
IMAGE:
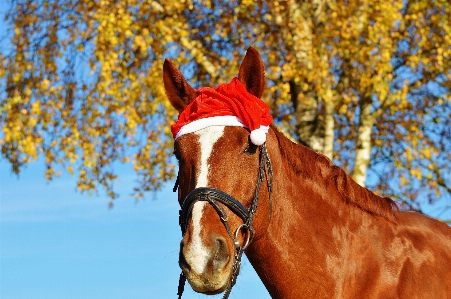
(221, 256)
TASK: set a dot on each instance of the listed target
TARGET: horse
(308, 229)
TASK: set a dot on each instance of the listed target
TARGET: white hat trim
(258, 136)
(226, 120)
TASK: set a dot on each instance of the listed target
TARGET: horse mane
(310, 163)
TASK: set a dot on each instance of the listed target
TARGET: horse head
(222, 155)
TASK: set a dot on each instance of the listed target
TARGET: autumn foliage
(365, 82)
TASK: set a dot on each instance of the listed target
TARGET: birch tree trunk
(329, 125)
(363, 151)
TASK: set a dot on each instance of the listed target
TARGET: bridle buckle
(249, 233)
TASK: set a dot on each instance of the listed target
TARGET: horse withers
(306, 227)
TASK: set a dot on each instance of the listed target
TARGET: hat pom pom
(258, 137)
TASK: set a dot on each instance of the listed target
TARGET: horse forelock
(320, 169)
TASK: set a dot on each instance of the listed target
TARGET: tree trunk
(363, 151)
(309, 121)
(329, 125)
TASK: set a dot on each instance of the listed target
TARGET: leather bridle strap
(213, 196)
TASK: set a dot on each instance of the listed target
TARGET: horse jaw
(199, 252)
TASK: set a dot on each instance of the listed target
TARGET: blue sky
(58, 243)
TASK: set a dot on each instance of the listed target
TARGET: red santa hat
(226, 105)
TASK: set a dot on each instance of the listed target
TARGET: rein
(214, 197)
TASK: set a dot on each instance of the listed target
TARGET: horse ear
(179, 92)
(252, 73)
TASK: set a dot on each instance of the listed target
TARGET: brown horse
(317, 233)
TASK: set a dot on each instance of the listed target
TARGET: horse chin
(208, 273)
(207, 284)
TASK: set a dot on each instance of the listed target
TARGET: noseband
(214, 197)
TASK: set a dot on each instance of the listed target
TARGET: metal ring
(249, 235)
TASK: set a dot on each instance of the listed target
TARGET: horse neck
(309, 212)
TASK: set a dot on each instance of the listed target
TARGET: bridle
(214, 197)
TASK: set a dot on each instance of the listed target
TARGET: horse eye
(251, 149)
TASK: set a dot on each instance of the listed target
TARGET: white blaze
(196, 255)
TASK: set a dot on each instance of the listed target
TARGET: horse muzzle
(207, 259)
(207, 268)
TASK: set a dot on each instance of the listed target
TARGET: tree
(367, 83)
(82, 88)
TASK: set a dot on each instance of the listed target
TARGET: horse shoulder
(421, 250)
